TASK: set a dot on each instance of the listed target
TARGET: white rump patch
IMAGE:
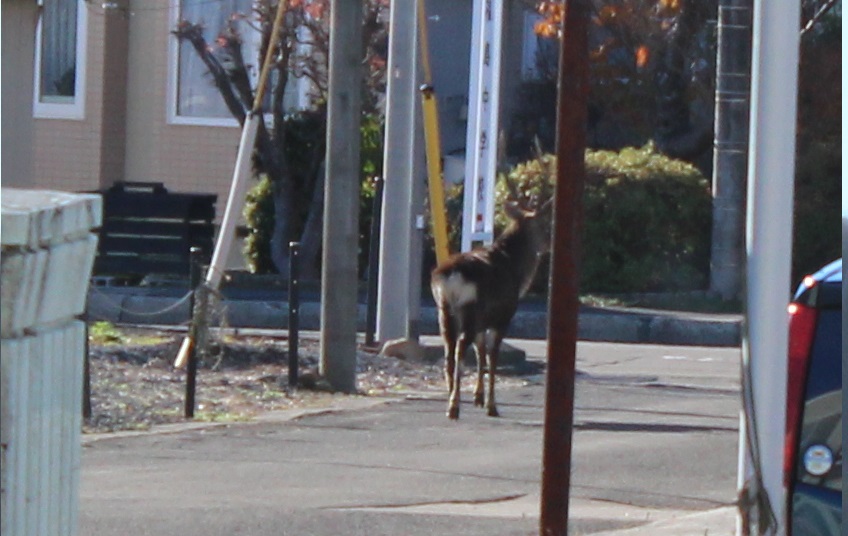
(454, 290)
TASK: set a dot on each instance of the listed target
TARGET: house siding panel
(18, 49)
(114, 76)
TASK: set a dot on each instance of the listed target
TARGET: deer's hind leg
(492, 362)
(448, 331)
(453, 403)
(480, 348)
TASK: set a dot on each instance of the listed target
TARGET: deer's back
(482, 282)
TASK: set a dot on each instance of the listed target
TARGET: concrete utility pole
(730, 158)
(565, 268)
(341, 199)
(399, 291)
(771, 166)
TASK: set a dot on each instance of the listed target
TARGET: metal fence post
(373, 261)
(294, 311)
(86, 371)
(191, 376)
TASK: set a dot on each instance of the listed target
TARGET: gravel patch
(135, 387)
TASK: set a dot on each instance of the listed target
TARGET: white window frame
(302, 87)
(63, 110)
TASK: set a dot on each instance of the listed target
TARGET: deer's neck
(521, 253)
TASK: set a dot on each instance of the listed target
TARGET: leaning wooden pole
(239, 184)
(565, 273)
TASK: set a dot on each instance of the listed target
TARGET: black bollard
(191, 372)
(373, 262)
(294, 311)
(86, 372)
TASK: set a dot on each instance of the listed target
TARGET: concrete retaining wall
(595, 324)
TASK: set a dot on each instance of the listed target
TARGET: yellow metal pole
(432, 141)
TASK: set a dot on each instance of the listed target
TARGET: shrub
(371, 157)
(453, 209)
(259, 218)
(646, 224)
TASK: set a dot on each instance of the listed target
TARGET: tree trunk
(310, 239)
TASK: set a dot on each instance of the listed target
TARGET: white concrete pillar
(45, 265)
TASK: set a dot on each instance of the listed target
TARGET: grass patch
(104, 333)
(221, 416)
(107, 334)
(694, 302)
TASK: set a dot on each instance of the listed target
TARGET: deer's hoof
(478, 400)
(493, 412)
(453, 412)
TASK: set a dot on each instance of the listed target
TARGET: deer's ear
(513, 210)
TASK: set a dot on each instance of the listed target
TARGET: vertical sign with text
(483, 120)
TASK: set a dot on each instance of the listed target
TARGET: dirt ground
(134, 385)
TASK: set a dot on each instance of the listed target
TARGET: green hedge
(647, 219)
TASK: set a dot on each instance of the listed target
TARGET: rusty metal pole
(564, 283)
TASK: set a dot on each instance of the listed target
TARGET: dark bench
(148, 230)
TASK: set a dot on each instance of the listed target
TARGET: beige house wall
(113, 79)
(125, 134)
(183, 157)
(18, 47)
(67, 151)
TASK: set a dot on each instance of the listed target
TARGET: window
(60, 60)
(193, 97)
(194, 92)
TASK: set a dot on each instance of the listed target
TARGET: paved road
(654, 451)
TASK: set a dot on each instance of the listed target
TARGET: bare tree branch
(231, 41)
(823, 10)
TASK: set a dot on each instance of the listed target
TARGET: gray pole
(396, 249)
(418, 192)
(768, 244)
(730, 158)
(341, 200)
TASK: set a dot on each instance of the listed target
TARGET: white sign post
(483, 122)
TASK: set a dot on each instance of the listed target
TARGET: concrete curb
(595, 324)
(715, 522)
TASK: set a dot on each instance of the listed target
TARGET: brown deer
(478, 291)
